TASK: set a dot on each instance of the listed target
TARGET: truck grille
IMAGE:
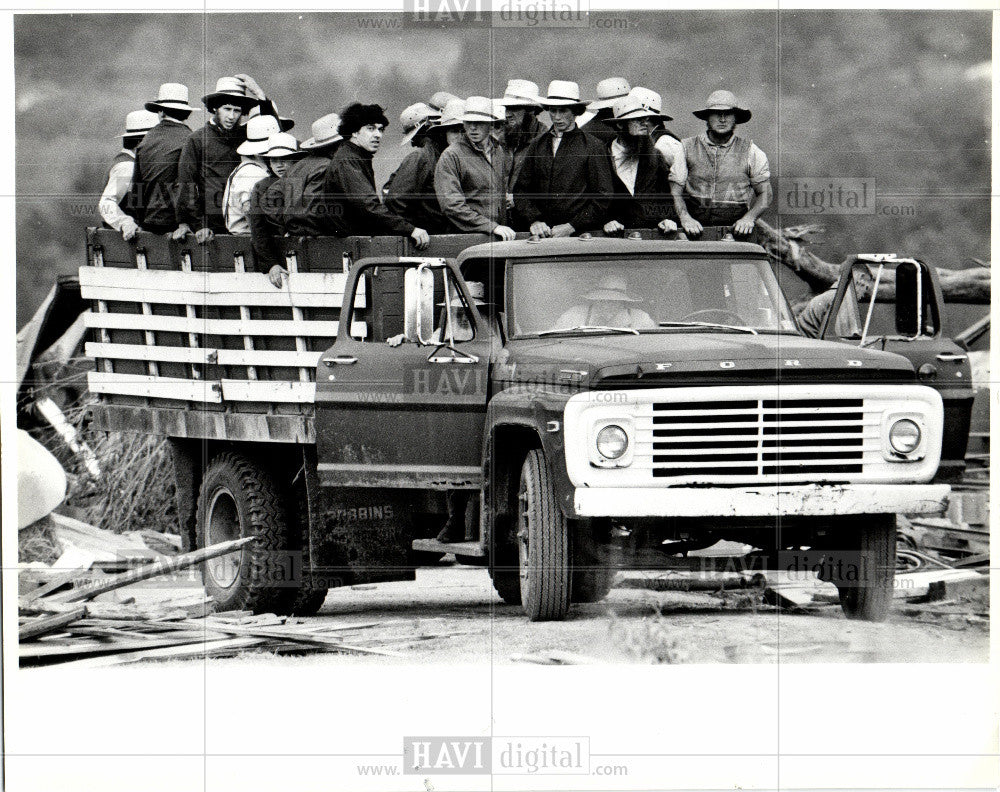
(759, 437)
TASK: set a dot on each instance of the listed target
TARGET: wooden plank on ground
(49, 624)
(141, 649)
(148, 571)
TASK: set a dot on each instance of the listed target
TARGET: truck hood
(664, 359)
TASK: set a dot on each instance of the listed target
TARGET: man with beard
(565, 185)
(521, 125)
(351, 179)
(729, 179)
(409, 192)
(471, 177)
(210, 155)
(642, 196)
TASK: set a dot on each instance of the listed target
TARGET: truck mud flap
(362, 536)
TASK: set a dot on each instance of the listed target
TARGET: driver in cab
(607, 306)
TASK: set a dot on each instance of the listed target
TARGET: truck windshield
(647, 295)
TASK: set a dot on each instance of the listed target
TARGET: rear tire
(239, 499)
(543, 544)
(869, 596)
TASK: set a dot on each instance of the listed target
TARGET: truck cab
(612, 400)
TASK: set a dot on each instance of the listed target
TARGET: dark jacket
(263, 230)
(471, 188)
(410, 194)
(358, 210)
(599, 126)
(207, 159)
(299, 204)
(517, 145)
(651, 202)
(154, 180)
(574, 186)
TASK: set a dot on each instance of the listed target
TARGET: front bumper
(805, 500)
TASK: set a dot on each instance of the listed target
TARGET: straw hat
(476, 291)
(609, 91)
(480, 108)
(563, 93)
(440, 99)
(723, 102)
(521, 93)
(324, 132)
(229, 90)
(611, 287)
(171, 96)
(286, 123)
(259, 129)
(281, 145)
(415, 118)
(139, 122)
(631, 108)
(452, 114)
(651, 99)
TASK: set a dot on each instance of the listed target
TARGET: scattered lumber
(49, 624)
(148, 571)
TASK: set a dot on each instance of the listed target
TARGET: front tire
(237, 499)
(543, 544)
(867, 594)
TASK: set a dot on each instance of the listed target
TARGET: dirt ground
(450, 614)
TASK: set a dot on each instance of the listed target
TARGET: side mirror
(418, 302)
(916, 311)
(907, 299)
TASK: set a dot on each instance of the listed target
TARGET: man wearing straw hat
(729, 179)
(409, 192)
(298, 203)
(471, 177)
(642, 196)
(522, 125)
(609, 305)
(597, 120)
(351, 179)
(116, 203)
(252, 168)
(209, 156)
(154, 178)
(565, 185)
(665, 141)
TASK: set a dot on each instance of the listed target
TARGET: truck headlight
(904, 436)
(612, 442)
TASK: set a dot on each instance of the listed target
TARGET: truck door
(401, 398)
(910, 325)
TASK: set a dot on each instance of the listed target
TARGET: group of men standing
(477, 165)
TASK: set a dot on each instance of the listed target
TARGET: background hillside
(903, 98)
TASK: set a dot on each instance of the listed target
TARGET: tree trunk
(966, 285)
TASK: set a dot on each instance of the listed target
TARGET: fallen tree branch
(957, 285)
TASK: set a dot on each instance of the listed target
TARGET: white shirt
(673, 152)
(626, 165)
(118, 183)
(237, 196)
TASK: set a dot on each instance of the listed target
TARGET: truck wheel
(543, 544)
(592, 585)
(308, 600)
(507, 582)
(870, 597)
(238, 499)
